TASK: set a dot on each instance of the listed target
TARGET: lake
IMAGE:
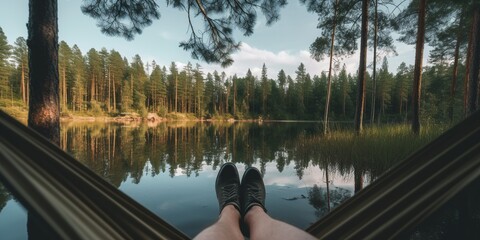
(170, 167)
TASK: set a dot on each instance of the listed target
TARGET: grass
(376, 150)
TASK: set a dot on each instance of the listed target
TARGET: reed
(376, 150)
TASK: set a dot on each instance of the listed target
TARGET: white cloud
(253, 58)
(250, 57)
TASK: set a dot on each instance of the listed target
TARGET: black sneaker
(227, 186)
(252, 190)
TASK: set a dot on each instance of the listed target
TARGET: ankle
(254, 213)
(230, 211)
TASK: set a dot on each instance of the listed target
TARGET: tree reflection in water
(116, 151)
(317, 197)
(4, 197)
(170, 167)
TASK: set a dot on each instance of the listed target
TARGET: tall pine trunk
(362, 70)
(44, 101)
(176, 93)
(467, 73)
(114, 94)
(454, 77)
(417, 74)
(234, 97)
(374, 83)
(44, 109)
(22, 84)
(475, 62)
(329, 83)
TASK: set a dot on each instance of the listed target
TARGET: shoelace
(255, 194)
(230, 191)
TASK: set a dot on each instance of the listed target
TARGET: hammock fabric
(78, 204)
(407, 194)
(74, 201)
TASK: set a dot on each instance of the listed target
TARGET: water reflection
(4, 197)
(323, 200)
(116, 150)
(171, 167)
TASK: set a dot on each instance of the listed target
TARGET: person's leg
(227, 189)
(227, 226)
(263, 226)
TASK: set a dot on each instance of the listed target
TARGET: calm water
(171, 168)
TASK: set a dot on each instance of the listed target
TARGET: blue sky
(284, 45)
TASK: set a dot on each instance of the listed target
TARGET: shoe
(227, 186)
(252, 190)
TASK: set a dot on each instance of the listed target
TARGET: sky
(283, 45)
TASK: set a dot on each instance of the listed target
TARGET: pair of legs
(250, 201)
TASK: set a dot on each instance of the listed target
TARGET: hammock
(411, 191)
(74, 201)
(78, 204)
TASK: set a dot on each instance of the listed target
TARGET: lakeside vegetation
(103, 83)
(170, 146)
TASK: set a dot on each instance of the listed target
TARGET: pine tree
(215, 44)
(78, 84)
(64, 65)
(139, 78)
(173, 87)
(384, 87)
(344, 89)
(300, 89)
(199, 91)
(116, 73)
(210, 96)
(5, 49)
(266, 89)
(20, 53)
(362, 70)
(44, 107)
(94, 72)
(282, 84)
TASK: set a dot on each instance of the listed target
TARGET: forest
(102, 82)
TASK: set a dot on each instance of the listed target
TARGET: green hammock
(74, 201)
(78, 204)
(412, 190)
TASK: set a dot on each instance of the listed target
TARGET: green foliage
(336, 15)
(5, 67)
(214, 43)
(380, 146)
(105, 83)
(95, 108)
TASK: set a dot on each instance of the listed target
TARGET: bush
(95, 108)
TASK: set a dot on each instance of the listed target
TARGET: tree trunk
(176, 93)
(358, 182)
(362, 70)
(22, 84)
(329, 83)
(44, 110)
(63, 90)
(467, 72)
(114, 94)
(374, 83)
(328, 187)
(92, 89)
(417, 74)
(454, 77)
(109, 86)
(234, 98)
(472, 103)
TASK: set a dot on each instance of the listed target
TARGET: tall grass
(376, 150)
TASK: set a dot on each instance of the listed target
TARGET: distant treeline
(106, 83)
